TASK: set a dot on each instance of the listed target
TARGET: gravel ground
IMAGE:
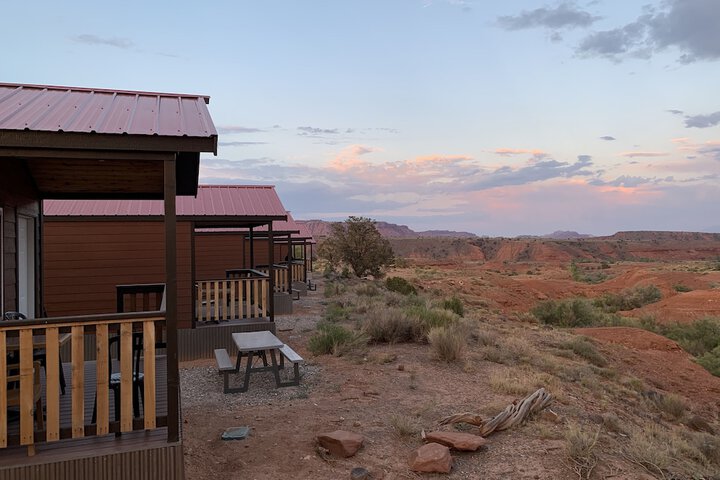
(201, 385)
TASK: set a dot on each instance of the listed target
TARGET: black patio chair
(115, 379)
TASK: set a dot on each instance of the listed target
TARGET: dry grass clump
(673, 405)
(448, 343)
(404, 426)
(654, 448)
(507, 350)
(517, 381)
(580, 446)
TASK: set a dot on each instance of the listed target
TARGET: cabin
(215, 248)
(97, 250)
(106, 415)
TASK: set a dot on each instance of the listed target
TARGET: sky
(497, 118)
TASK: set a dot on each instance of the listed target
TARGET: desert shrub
(649, 448)
(673, 405)
(573, 312)
(431, 317)
(329, 339)
(710, 361)
(697, 338)
(682, 288)
(628, 299)
(336, 312)
(333, 289)
(580, 445)
(368, 290)
(447, 342)
(392, 325)
(584, 348)
(455, 305)
(400, 285)
(357, 242)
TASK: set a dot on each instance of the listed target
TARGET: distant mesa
(566, 235)
(321, 228)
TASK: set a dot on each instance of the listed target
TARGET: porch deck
(93, 446)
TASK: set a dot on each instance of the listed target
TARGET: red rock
(457, 440)
(341, 443)
(431, 457)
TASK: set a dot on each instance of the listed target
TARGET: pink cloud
(643, 154)
(519, 151)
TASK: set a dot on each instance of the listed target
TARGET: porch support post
(192, 274)
(252, 249)
(173, 378)
(289, 263)
(311, 256)
(271, 272)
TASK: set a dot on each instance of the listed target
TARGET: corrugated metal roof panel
(84, 110)
(211, 201)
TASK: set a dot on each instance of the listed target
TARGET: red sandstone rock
(431, 457)
(341, 443)
(457, 440)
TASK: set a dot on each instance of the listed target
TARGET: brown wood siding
(18, 195)
(85, 260)
(216, 253)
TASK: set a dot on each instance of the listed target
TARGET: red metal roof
(85, 110)
(211, 201)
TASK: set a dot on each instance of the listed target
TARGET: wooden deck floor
(89, 446)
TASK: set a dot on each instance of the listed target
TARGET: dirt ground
(390, 393)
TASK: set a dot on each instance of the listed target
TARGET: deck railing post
(173, 380)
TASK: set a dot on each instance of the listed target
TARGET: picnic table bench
(257, 345)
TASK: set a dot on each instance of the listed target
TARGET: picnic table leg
(275, 370)
(248, 368)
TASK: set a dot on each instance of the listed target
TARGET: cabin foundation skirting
(201, 342)
(157, 463)
(283, 303)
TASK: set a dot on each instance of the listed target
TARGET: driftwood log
(514, 414)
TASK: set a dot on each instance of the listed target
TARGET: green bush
(710, 361)
(628, 299)
(682, 288)
(697, 338)
(431, 317)
(584, 348)
(573, 312)
(400, 285)
(329, 339)
(455, 305)
(336, 312)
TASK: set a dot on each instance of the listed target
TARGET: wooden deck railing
(298, 271)
(230, 299)
(24, 336)
(281, 276)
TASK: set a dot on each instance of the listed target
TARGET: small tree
(356, 242)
